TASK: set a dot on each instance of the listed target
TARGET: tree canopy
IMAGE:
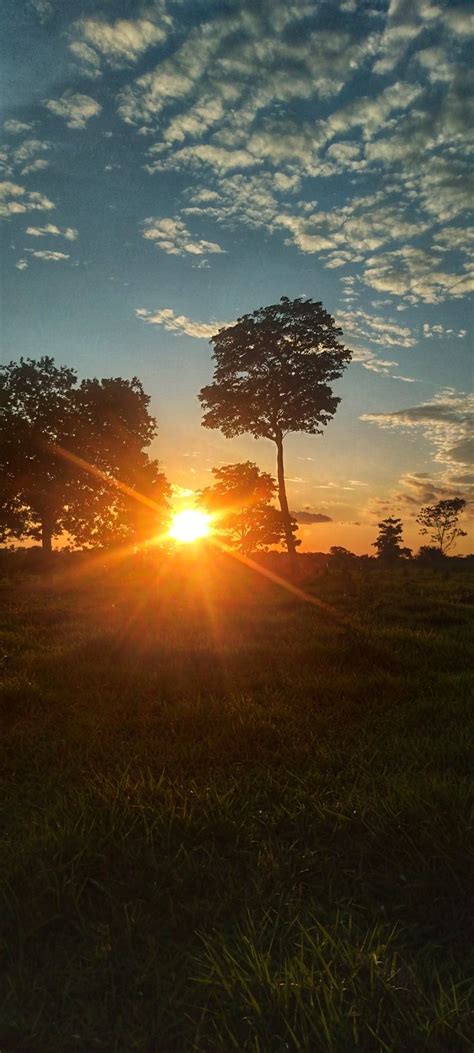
(73, 456)
(389, 543)
(273, 374)
(441, 522)
(240, 501)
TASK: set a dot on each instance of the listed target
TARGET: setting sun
(189, 525)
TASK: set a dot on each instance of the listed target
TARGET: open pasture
(233, 820)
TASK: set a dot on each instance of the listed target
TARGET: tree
(272, 376)
(389, 541)
(440, 521)
(240, 501)
(72, 455)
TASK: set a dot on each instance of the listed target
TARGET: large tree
(389, 543)
(240, 500)
(73, 457)
(272, 376)
(441, 523)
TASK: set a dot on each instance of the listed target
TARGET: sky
(170, 166)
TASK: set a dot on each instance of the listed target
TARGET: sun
(189, 525)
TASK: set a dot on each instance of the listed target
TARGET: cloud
(76, 109)
(173, 237)
(362, 325)
(406, 21)
(45, 254)
(249, 57)
(23, 156)
(440, 332)
(88, 59)
(43, 8)
(415, 274)
(35, 166)
(223, 101)
(385, 366)
(311, 517)
(14, 127)
(119, 43)
(180, 323)
(15, 200)
(28, 148)
(415, 490)
(40, 232)
(447, 423)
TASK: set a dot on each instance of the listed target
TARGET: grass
(232, 820)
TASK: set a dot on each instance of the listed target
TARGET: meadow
(233, 819)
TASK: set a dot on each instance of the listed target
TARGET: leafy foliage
(240, 499)
(440, 522)
(389, 541)
(272, 376)
(51, 429)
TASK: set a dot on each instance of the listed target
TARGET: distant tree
(339, 552)
(440, 522)
(240, 501)
(50, 428)
(272, 376)
(342, 559)
(389, 541)
(430, 555)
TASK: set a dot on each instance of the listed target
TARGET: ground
(233, 819)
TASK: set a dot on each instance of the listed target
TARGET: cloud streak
(179, 323)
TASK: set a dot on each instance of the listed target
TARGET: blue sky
(169, 166)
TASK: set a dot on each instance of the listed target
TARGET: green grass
(232, 820)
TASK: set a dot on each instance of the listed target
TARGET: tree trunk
(290, 543)
(46, 536)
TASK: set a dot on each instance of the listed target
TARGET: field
(233, 819)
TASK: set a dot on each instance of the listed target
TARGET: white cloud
(88, 59)
(362, 325)
(415, 274)
(248, 60)
(173, 237)
(14, 127)
(455, 239)
(45, 254)
(76, 109)
(28, 148)
(118, 42)
(40, 232)
(180, 323)
(369, 360)
(446, 422)
(15, 200)
(440, 332)
(38, 165)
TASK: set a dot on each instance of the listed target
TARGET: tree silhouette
(51, 427)
(272, 376)
(389, 541)
(440, 521)
(240, 501)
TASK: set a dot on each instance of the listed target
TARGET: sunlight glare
(189, 525)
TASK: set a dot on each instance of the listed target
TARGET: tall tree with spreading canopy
(73, 457)
(240, 500)
(441, 523)
(272, 376)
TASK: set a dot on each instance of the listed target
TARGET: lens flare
(189, 525)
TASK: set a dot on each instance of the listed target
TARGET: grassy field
(232, 820)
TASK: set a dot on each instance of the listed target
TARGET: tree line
(74, 455)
